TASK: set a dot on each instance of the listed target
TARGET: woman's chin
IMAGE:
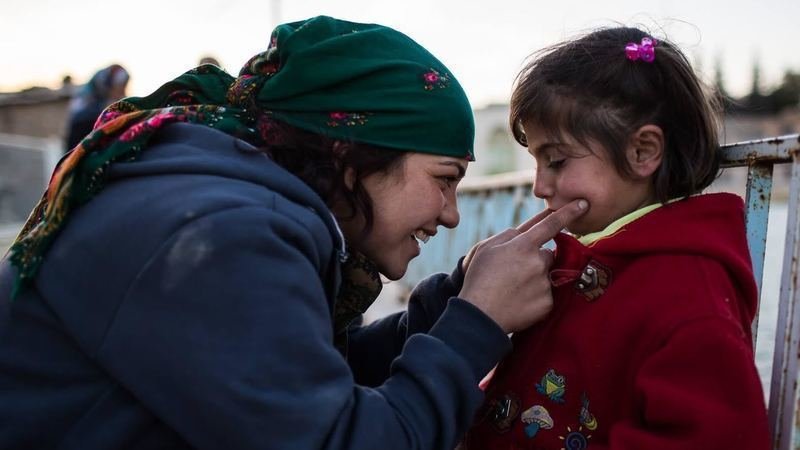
(394, 274)
(393, 270)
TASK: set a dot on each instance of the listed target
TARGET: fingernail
(582, 204)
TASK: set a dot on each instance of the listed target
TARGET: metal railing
(760, 157)
(490, 205)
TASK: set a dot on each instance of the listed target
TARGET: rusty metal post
(783, 393)
(759, 193)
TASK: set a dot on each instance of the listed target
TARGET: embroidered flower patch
(435, 80)
(339, 118)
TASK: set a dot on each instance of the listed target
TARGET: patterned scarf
(349, 81)
(122, 131)
(361, 285)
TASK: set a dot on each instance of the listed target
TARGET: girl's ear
(645, 150)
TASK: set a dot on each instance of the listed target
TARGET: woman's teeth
(422, 236)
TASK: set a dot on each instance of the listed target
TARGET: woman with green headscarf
(195, 272)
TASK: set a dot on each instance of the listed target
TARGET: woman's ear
(349, 177)
(339, 150)
(645, 150)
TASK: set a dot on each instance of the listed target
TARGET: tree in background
(785, 95)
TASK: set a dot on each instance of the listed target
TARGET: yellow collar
(614, 226)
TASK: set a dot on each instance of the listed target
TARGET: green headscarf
(346, 80)
(366, 82)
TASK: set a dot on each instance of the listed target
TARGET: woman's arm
(225, 335)
(372, 348)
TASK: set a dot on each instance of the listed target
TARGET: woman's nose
(450, 217)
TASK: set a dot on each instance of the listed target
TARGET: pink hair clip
(645, 51)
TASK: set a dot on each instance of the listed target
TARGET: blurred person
(104, 88)
(209, 60)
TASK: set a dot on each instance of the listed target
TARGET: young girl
(648, 345)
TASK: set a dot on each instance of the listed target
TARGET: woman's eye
(448, 181)
(557, 164)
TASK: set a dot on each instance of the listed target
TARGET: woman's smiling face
(409, 203)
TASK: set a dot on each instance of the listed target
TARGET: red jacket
(648, 345)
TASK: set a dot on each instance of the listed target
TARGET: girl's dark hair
(586, 87)
(321, 162)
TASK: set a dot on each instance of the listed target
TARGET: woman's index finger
(525, 226)
(550, 223)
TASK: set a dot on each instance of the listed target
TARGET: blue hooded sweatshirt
(189, 305)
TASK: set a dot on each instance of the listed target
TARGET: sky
(483, 42)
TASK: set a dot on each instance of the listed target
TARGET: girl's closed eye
(556, 164)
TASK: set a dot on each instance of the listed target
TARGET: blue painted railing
(492, 204)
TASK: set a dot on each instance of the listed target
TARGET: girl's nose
(542, 188)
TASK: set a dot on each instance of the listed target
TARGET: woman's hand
(506, 274)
